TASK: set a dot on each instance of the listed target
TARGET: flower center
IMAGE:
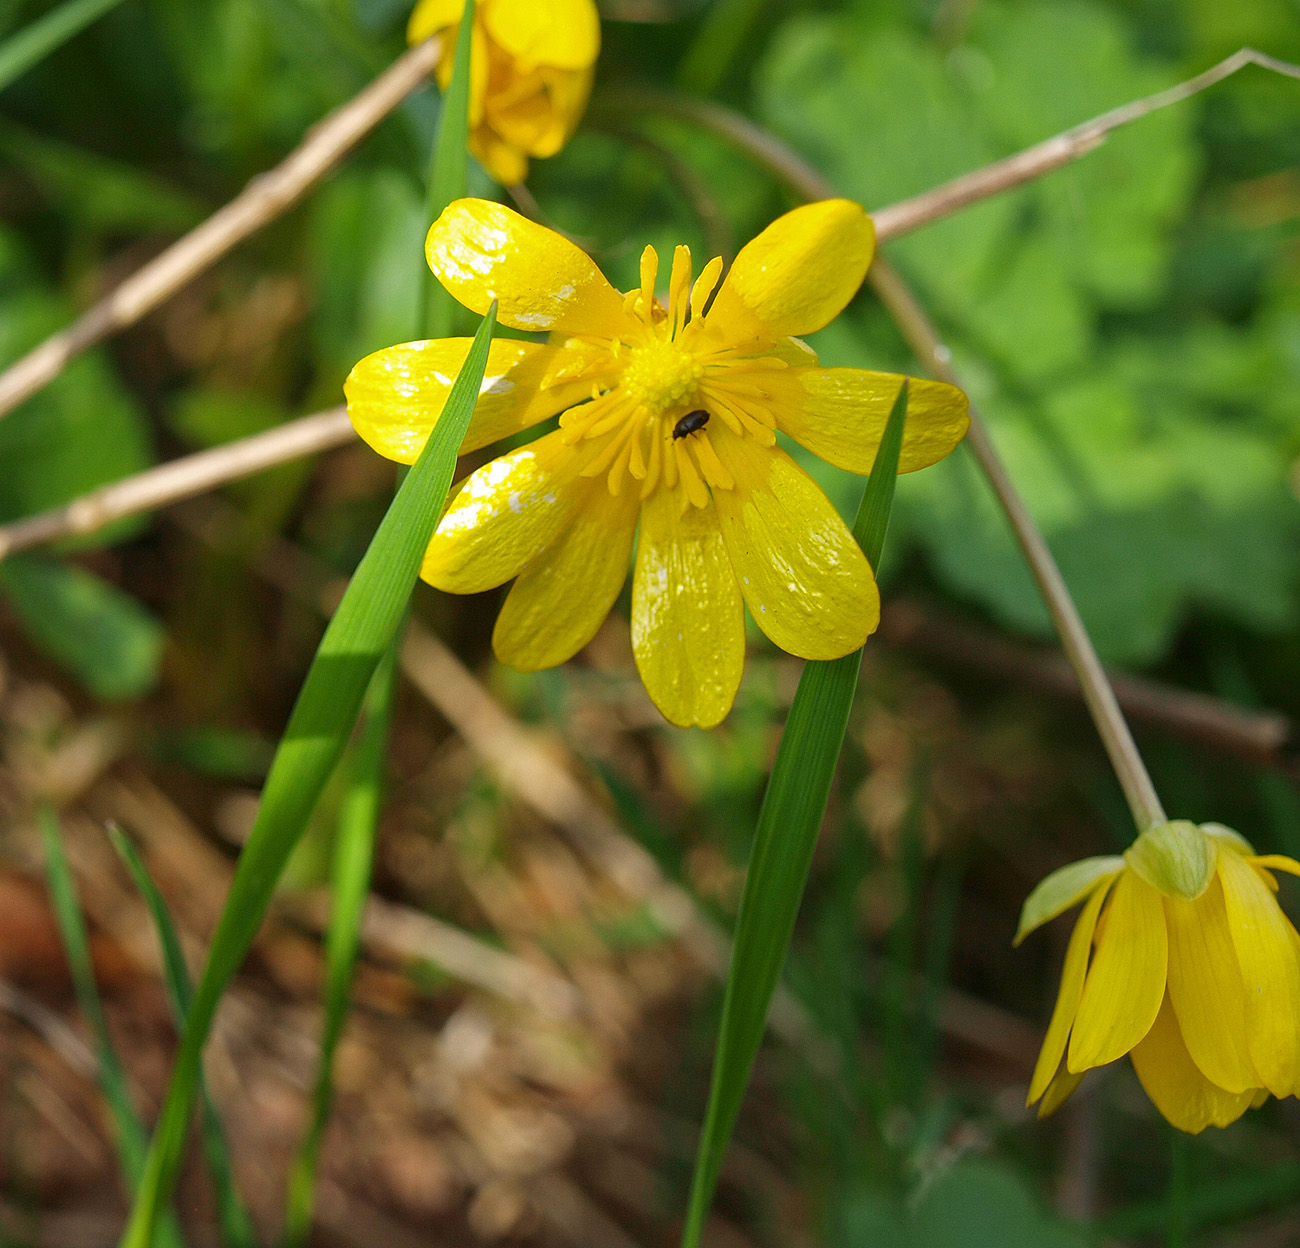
(660, 375)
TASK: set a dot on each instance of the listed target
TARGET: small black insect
(692, 422)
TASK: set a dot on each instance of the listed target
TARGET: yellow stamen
(678, 287)
(704, 287)
(656, 457)
(696, 490)
(710, 465)
(649, 272)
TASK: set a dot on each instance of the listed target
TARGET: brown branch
(1002, 175)
(1263, 738)
(264, 199)
(180, 479)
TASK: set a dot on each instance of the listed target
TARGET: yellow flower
(669, 418)
(531, 68)
(1183, 959)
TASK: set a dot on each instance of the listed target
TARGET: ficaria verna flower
(668, 416)
(531, 66)
(1183, 959)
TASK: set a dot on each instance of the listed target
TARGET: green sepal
(1063, 889)
(1177, 858)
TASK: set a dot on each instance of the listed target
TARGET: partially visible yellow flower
(668, 418)
(1183, 959)
(531, 67)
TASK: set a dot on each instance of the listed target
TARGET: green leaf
(784, 839)
(104, 637)
(448, 174)
(128, 1130)
(236, 1225)
(95, 191)
(34, 43)
(322, 719)
(353, 856)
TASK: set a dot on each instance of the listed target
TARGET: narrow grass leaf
(710, 56)
(128, 1130)
(353, 856)
(32, 44)
(313, 743)
(235, 1224)
(784, 840)
(448, 173)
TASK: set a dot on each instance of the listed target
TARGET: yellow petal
(1059, 1091)
(542, 121)
(805, 580)
(1206, 990)
(507, 164)
(839, 414)
(688, 624)
(1276, 862)
(396, 395)
(504, 516)
(1064, 888)
(430, 16)
(1176, 1087)
(1270, 969)
(564, 33)
(561, 598)
(1126, 981)
(799, 273)
(1067, 999)
(482, 251)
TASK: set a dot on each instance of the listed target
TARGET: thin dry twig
(170, 483)
(180, 479)
(1002, 175)
(265, 198)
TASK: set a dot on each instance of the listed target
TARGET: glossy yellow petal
(1271, 972)
(1176, 1087)
(688, 624)
(798, 274)
(805, 580)
(396, 395)
(839, 414)
(1064, 888)
(482, 251)
(1059, 1091)
(1067, 999)
(564, 33)
(1206, 989)
(1126, 981)
(503, 517)
(430, 16)
(561, 598)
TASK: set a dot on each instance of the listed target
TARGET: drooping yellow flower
(1183, 959)
(668, 419)
(531, 67)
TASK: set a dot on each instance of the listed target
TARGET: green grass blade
(353, 856)
(236, 1225)
(784, 840)
(710, 56)
(35, 42)
(322, 721)
(448, 174)
(128, 1130)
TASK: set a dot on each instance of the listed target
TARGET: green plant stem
(128, 1130)
(350, 884)
(787, 165)
(34, 43)
(784, 840)
(236, 1225)
(448, 176)
(321, 722)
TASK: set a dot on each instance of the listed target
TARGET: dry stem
(264, 199)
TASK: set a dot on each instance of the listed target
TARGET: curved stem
(924, 340)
